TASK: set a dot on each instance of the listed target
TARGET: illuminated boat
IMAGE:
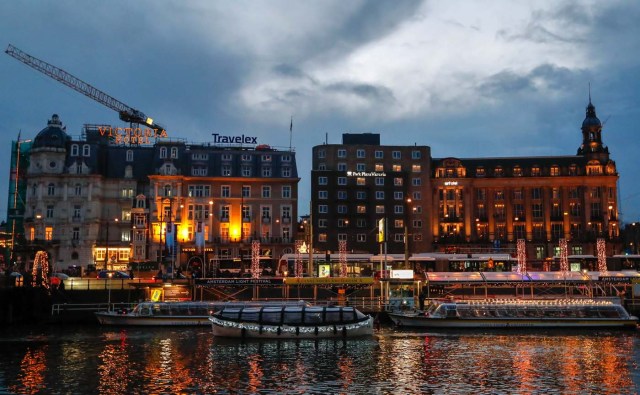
(518, 313)
(174, 313)
(291, 322)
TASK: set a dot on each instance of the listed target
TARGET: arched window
(51, 189)
(167, 190)
(174, 152)
(163, 152)
(128, 172)
(78, 189)
(129, 156)
(85, 150)
(74, 150)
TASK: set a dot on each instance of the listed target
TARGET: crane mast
(125, 112)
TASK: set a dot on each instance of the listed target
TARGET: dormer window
(517, 171)
(480, 172)
(163, 152)
(74, 150)
(555, 170)
(174, 152)
(129, 156)
(86, 150)
(535, 171)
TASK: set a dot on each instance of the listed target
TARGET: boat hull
(222, 328)
(416, 321)
(111, 318)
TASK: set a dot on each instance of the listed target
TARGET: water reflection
(160, 360)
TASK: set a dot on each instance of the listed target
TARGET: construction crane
(126, 113)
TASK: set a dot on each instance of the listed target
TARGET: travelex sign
(221, 139)
(132, 135)
(366, 174)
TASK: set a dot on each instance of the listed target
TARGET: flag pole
(290, 132)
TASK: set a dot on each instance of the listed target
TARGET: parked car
(114, 274)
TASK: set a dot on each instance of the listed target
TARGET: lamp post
(205, 264)
(109, 285)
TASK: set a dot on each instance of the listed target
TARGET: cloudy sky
(467, 78)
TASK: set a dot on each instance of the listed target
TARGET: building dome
(591, 120)
(53, 136)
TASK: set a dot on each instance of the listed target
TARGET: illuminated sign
(450, 183)
(328, 280)
(365, 174)
(132, 135)
(237, 281)
(401, 273)
(220, 139)
(324, 271)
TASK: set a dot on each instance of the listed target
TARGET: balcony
(266, 220)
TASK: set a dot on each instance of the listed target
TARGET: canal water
(93, 359)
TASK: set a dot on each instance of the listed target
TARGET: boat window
(271, 316)
(230, 313)
(292, 316)
(313, 315)
(250, 315)
(332, 316)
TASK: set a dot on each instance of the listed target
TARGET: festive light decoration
(287, 329)
(255, 259)
(564, 258)
(40, 271)
(299, 251)
(522, 257)
(342, 257)
(602, 255)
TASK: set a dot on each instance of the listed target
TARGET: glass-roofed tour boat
(286, 322)
(517, 313)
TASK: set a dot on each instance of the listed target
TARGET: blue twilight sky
(467, 78)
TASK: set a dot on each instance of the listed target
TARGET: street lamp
(109, 302)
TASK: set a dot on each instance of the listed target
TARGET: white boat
(291, 322)
(174, 313)
(518, 313)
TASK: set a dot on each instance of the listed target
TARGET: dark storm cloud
(552, 77)
(373, 93)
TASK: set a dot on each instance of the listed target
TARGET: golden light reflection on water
(32, 369)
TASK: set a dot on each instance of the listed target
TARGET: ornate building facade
(466, 205)
(99, 200)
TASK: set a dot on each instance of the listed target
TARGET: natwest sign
(221, 139)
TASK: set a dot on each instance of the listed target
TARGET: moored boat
(291, 322)
(174, 313)
(518, 313)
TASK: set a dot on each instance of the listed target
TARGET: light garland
(286, 329)
(602, 255)
(298, 268)
(522, 256)
(41, 261)
(564, 258)
(255, 259)
(342, 257)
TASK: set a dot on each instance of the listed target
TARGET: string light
(342, 257)
(564, 258)
(255, 259)
(286, 329)
(41, 261)
(522, 257)
(602, 255)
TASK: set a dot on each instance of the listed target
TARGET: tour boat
(174, 313)
(291, 322)
(518, 313)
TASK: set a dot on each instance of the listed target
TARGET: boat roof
(555, 276)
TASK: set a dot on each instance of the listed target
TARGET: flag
(291, 125)
(199, 236)
(381, 231)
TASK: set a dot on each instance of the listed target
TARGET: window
(74, 150)
(322, 180)
(48, 233)
(225, 191)
(417, 223)
(396, 155)
(322, 166)
(198, 171)
(342, 209)
(480, 172)
(246, 191)
(536, 193)
(379, 167)
(398, 237)
(266, 171)
(380, 181)
(517, 194)
(342, 195)
(266, 212)
(266, 191)
(167, 190)
(535, 171)
(360, 167)
(499, 195)
(361, 195)
(498, 172)
(593, 193)
(517, 171)
(246, 170)
(379, 154)
(199, 190)
(555, 170)
(361, 223)
(323, 208)
(342, 180)
(342, 166)
(397, 181)
(323, 195)
(417, 195)
(361, 181)
(125, 235)
(536, 210)
(75, 235)
(361, 237)
(286, 212)
(76, 211)
(398, 209)
(398, 195)
(342, 153)
(286, 191)
(416, 154)
(322, 153)
(129, 156)
(396, 168)
(200, 156)
(322, 223)
(379, 209)
(361, 209)
(379, 195)
(555, 193)
(51, 189)
(226, 157)
(343, 223)
(224, 213)
(398, 223)
(86, 150)
(266, 158)
(416, 182)
(163, 152)
(360, 153)
(226, 170)
(49, 211)
(286, 158)
(416, 168)
(246, 157)
(322, 237)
